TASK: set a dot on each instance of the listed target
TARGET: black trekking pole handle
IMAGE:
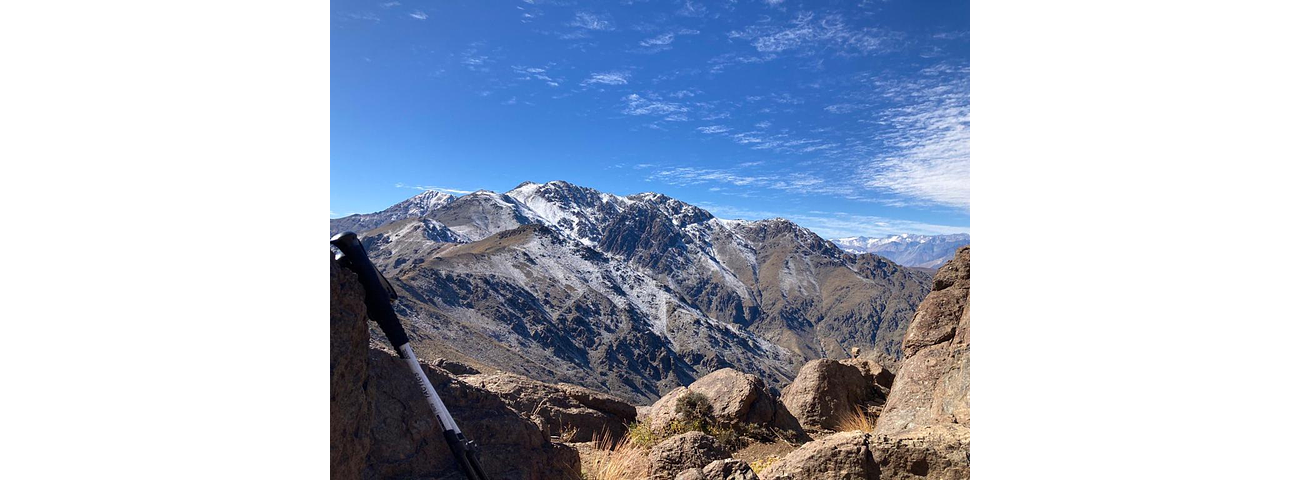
(378, 293)
(379, 308)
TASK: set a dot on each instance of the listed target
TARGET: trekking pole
(379, 294)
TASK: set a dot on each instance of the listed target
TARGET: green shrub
(641, 435)
(693, 407)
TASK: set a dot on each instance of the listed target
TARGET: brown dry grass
(856, 420)
(616, 460)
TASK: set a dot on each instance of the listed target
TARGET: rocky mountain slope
(416, 206)
(925, 251)
(632, 295)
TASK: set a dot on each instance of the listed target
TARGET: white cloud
(591, 21)
(664, 39)
(418, 15)
(928, 146)
(713, 129)
(692, 9)
(638, 105)
(390, 4)
(536, 73)
(808, 30)
(608, 78)
(841, 108)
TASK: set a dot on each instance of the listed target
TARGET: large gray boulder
(933, 383)
(561, 409)
(826, 392)
(407, 442)
(350, 395)
(727, 469)
(683, 452)
(737, 398)
(842, 456)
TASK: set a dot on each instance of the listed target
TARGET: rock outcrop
(827, 392)
(933, 383)
(456, 368)
(409, 444)
(561, 409)
(737, 398)
(936, 452)
(684, 452)
(842, 456)
(381, 426)
(729, 469)
(924, 431)
(350, 395)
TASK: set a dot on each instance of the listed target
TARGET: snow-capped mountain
(416, 206)
(634, 295)
(929, 251)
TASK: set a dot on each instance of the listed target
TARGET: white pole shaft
(444, 417)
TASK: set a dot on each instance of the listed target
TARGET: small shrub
(641, 435)
(693, 408)
(728, 437)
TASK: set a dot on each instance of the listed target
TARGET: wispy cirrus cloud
(419, 15)
(536, 73)
(662, 39)
(608, 78)
(711, 129)
(637, 105)
(727, 60)
(592, 21)
(692, 9)
(927, 155)
(808, 30)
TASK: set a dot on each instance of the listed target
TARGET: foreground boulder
(737, 398)
(826, 392)
(408, 443)
(561, 409)
(936, 452)
(684, 452)
(350, 395)
(842, 456)
(728, 469)
(933, 383)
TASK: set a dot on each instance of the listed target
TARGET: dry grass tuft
(856, 420)
(616, 460)
(567, 434)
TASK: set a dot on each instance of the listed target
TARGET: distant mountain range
(633, 295)
(926, 251)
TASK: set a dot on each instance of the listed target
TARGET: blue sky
(850, 118)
